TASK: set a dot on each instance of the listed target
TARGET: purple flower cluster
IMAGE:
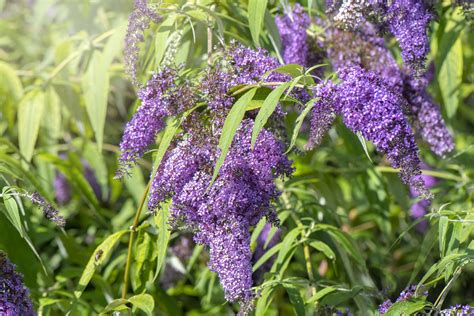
(14, 296)
(61, 188)
(368, 106)
(426, 116)
(223, 213)
(322, 114)
(458, 310)
(365, 49)
(406, 294)
(49, 211)
(409, 292)
(138, 21)
(263, 245)
(161, 97)
(407, 20)
(242, 65)
(292, 27)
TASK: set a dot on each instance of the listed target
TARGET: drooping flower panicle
(138, 21)
(162, 97)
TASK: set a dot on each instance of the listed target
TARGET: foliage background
(64, 99)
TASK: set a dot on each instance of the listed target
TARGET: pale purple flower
(138, 21)
(14, 296)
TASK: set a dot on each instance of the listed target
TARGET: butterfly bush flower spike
(14, 296)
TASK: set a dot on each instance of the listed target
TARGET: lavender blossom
(292, 27)
(14, 296)
(49, 211)
(458, 310)
(366, 49)
(408, 21)
(351, 13)
(61, 188)
(406, 294)
(368, 106)
(138, 21)
(426, 116)
(222, 214)
(322, 114)
(160, 98)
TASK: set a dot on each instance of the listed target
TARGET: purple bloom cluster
(292, 27)
(426, 116)
(263, 244)
(223, 213)
(322, 114)
(408, 21)
(406, 294)
(61, 188)
(161, 97)
(458, 310)
(138, 21)
(14, 296)
(365, 49)
(369, 107)
(49, 211)
(242, 65)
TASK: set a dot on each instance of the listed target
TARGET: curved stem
(133, 229)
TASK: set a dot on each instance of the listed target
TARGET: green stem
(77, 53)
(306, 250)
(133, 229)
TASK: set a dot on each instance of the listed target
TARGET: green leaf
(267, 109)
(161, 222)
(162, 37)
(143, 255)
(325, 249)
(320, 294)
(115, 305)
(11, 91)
(104, 249)
(293, 70)
(295, 298)
(52, 125)
(406, 308)
(231, 125)
(95, 85)
(443, 228)
(287, 245)
(256, 14)
(145, 302)
(334, 299)
(344, 240)
(30, 112)
(266, 256)
(114, 44)
(363, 142)
(450, 64)
(264, 300)
(11, 211)
(299, 122)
